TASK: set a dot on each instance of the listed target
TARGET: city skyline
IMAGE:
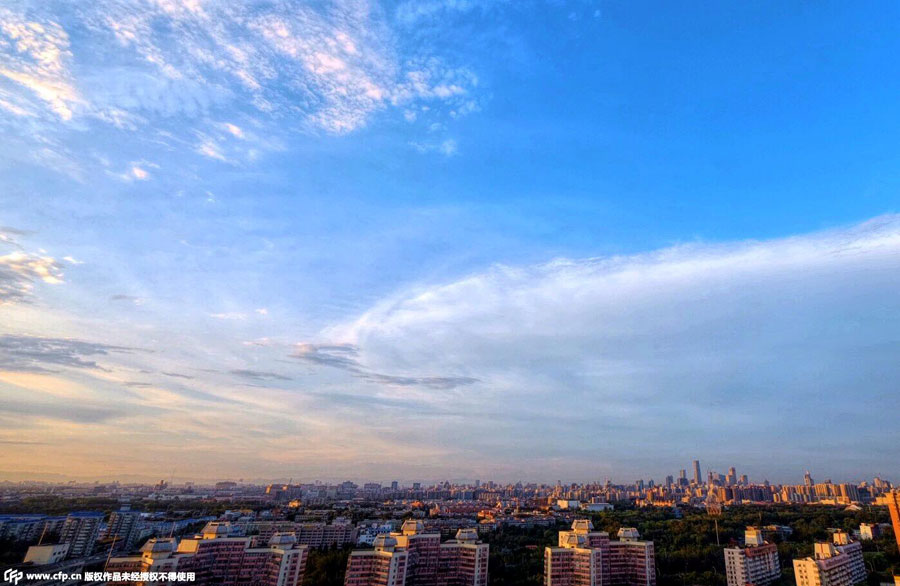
(662, 480)
(440, 239)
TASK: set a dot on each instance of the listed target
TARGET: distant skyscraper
(697, 478)
(893, 499)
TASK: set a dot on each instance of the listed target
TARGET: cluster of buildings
(215, 556)
(437, 545)
(838, 562)
(416, 557)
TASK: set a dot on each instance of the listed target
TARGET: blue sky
(448, 238)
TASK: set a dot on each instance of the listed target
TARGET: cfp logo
(13, 576)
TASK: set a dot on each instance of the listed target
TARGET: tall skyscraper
(80, 531)
(754, 564)
(697, 478)
(893, 500)
(808, 479)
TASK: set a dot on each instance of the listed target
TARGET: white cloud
(673, 348)
(230, 315)
(211, 149)
(234, 129)
(19, 271)
(139, 173)
(446, 147)
(36, 55)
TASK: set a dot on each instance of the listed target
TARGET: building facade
(893, 503)
(413, 557)
(81, 530)
(386, 565)
(216, 558)
(754, 564)
(463, 561)
(585, 557)
(829, 566)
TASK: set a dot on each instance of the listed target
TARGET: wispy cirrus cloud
(19, 271)
(345, 357)
(43, 354)
(655, 346)
(35, 69)
(330, 66)
(258, 375)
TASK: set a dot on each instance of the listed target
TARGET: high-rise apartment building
(424, 552)
(124, 527)
(754, 564)
(386, 565)
(632, 562)
(831, 565)
(413, 556)
(853, 550)
(463, 561)
(585, 557)
(893, 503)
(217, 558)
(81, 530)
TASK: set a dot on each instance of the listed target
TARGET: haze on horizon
(436, 239)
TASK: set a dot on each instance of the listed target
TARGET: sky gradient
(448, 239)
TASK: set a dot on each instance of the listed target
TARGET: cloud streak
(19, 271)
(36, 354)
(344, 357)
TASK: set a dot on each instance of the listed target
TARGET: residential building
(463, 561)
(386, 565)
(585, 557)
(215, 557)
(827, 567)
(853, 550)
(893, 503)
(754, 564)
(632, 562)
(81, 530)
(869, 531)
(42, 555)
(424, 550)
(412, 556)
(124, 527)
